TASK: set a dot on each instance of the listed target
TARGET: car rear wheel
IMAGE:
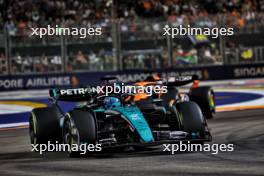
(79, 128)
(205, 98)
(191, 117)
(44, 126)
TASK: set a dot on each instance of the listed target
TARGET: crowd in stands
(74, 61)
(92, 61)
(143, 60)
(159, 59)
(18, 15)
(35, 64)
(141, 19)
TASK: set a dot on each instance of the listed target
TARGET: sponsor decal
(35, 82)
(84, 79)
(79, 91)
(125, 78)
(249, 72)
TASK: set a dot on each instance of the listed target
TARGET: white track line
(15, 95)
(256, 102)
(10, 125)
(13, 109)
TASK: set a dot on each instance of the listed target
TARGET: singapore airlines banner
(14, 82)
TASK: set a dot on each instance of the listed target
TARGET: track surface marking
(242, 128)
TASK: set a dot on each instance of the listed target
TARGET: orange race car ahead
(202, 95)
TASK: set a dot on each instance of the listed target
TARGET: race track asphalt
(244, 129)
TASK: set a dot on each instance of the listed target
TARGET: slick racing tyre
(79, 128)
(191, 117)
(44, 126)
(175, 122)
(205, 98)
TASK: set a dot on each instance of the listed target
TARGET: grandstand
(132, 35)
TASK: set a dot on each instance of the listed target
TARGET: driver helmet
(111, 102)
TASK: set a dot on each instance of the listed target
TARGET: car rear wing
(74, 94)
(109, 78)
(180, 80)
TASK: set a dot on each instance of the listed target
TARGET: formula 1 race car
(202, 95)
(113, 121)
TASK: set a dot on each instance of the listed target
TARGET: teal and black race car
(112, 121)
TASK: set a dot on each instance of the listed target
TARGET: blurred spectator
(56, 63)
(207, 56)
(165, 58)
(80, 58)
(3, 64)
(10, 27)
(94, 62)
(181, 57)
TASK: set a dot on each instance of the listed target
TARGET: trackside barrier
(92, 78)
